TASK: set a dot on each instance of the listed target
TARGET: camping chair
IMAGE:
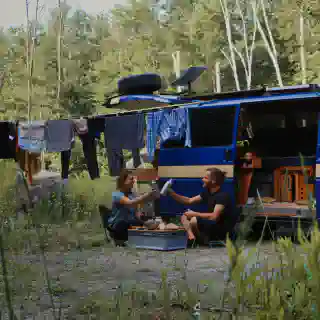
(105, 213)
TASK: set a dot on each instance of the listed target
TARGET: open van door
(317, 181)
(213, 139)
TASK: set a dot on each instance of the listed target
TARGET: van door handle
(227, 155)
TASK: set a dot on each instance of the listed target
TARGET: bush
(283, 286)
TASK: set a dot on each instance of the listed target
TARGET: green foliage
(141, 37)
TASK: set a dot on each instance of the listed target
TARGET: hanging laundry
(59, 135)
(96, 126)
(123, 132)
(167, 124)
(8, 140)
(89, 150)
(31, 136)
(115, 161)
(81, 126)
(65, 163)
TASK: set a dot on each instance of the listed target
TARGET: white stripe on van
(192, 171)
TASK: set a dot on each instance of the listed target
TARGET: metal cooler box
(162, 240)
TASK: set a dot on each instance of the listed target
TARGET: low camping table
(161, 240)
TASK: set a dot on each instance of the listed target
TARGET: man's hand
(169, 190)
(190, 214)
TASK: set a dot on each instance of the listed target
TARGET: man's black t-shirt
(212, 199)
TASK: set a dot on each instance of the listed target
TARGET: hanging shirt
(49, 136)
(123, 132)
(167, 124)
(31, 136)
(59, 135)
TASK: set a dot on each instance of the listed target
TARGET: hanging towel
(31, 136)
(59, 135)
(124, 132)
(167, 124)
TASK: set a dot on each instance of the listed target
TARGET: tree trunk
(218, 77)
(270, 46)
(58, 98)
(177, 67)
(28, 62)
(226, 15)
(302, 51)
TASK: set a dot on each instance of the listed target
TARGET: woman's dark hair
(124, 174)
(217, 175)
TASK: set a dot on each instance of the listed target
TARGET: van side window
(212, 127)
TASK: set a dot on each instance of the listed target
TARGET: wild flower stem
(6, 280)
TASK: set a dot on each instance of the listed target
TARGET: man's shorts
(210, 228)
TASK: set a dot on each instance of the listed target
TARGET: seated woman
(125, 204)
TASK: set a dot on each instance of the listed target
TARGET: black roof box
(146, 83)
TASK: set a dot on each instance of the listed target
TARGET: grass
(55, 262)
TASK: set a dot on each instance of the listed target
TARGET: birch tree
(230, 57)
(249, 40)
(267, 36)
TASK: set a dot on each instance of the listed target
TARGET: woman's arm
(134, 203)
(184, 200)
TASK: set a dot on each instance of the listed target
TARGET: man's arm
(218, 209)
(184, 200)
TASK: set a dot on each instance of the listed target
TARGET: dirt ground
(78, 276)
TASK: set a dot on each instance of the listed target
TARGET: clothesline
(141, 111)
(130, 133)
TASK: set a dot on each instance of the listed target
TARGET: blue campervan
(267, 141)
(268, 145)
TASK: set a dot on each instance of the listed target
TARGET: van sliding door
(213, 138)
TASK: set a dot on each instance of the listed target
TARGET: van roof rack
(229, 94)
(304, 88)
(259, 92)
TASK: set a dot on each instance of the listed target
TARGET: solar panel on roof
(188, 76)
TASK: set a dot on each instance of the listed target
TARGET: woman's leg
(120, 230)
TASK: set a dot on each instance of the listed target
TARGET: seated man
(216, 221)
